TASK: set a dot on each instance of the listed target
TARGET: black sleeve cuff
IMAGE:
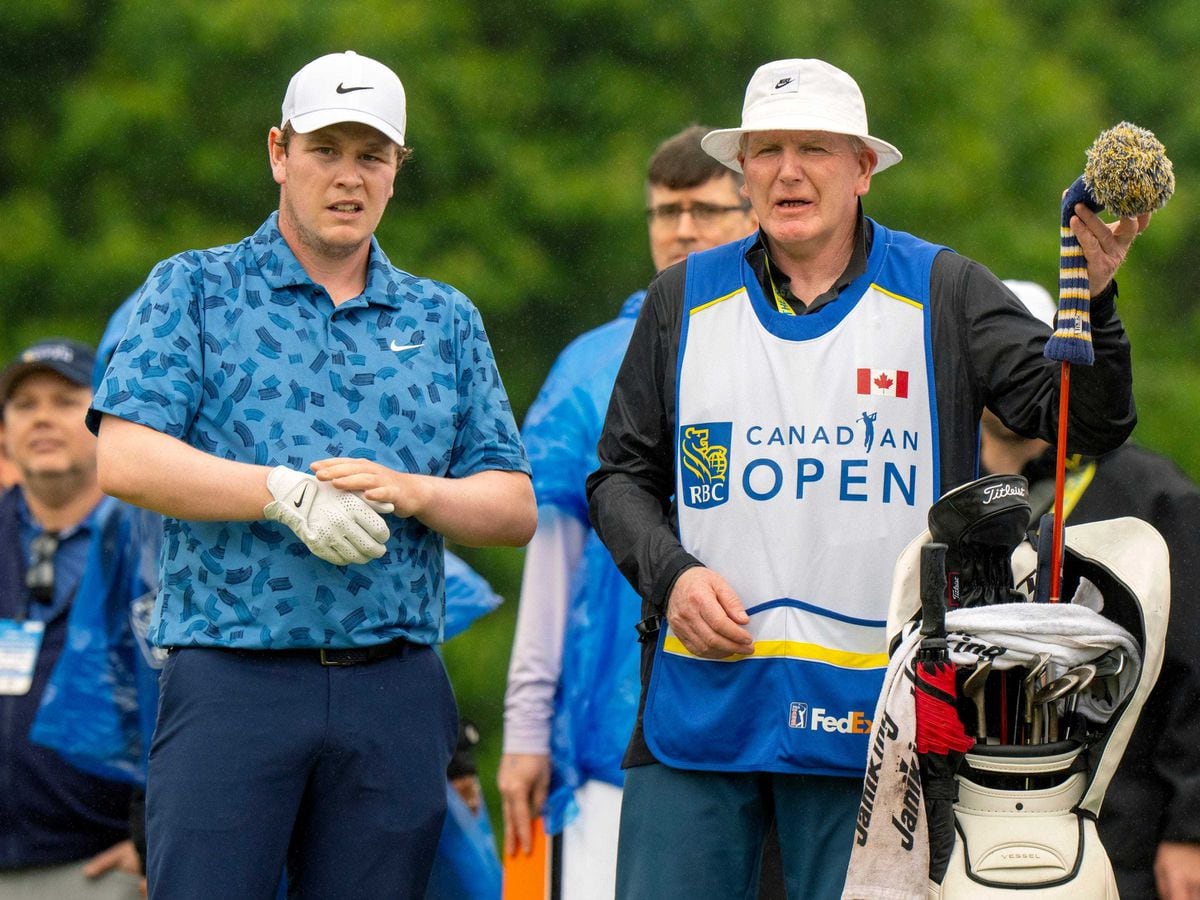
(1104, 304)
(679, 563)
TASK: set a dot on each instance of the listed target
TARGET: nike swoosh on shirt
(400, 349)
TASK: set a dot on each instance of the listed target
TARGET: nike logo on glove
(300, 499)
(400, 349)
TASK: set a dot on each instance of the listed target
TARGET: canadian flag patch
(883, 382)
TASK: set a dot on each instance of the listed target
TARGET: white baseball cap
(1036, 299)
(345, 87)
(799, 95)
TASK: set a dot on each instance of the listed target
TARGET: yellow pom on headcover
(1128, 173)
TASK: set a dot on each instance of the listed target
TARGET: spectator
(66, 832)
(1148, 823)
(572, 690)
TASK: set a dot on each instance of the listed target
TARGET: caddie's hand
(707, 616)
(1104, 246)
(1177, 871)
(405, 493)
(524, 782)
(338, 526)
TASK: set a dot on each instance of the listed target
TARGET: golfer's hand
(120, 857)
(707, 616)
(335, 525)
(524, 781)
(406, 494)
(1103, 245)
(1177, 871)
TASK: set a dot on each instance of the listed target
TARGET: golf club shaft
(1060, 473)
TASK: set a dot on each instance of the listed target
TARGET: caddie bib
(806, 458)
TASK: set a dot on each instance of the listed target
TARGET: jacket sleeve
(630, 495)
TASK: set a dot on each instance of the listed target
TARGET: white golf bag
(1027, 806)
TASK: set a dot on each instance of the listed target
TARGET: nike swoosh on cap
(400, 349)
(350, 90)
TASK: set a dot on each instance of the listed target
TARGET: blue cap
(72, 360)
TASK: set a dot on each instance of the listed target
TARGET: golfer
(312, 421)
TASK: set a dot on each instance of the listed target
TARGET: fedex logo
(817, 719)
(854, 722)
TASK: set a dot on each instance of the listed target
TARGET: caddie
(789, 407)
(312, 422)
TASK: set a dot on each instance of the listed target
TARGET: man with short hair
(572, 689)
(66, 832)
(305, 717)
(737, 491)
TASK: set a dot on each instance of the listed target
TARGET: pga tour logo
(704, 463)
(854, 722)
(798, 716)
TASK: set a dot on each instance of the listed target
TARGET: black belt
(353, 656)
(334, 656)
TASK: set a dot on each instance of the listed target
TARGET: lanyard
(1075, 483)
(1078, 478)
(780, 304)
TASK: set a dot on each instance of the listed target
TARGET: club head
(977, 680)
(1036, 671)
(1029, 687)
(1086, 674)
(974, 688)
(1110, 664)
(1068, 683)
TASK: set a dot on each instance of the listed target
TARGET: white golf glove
(339, 526)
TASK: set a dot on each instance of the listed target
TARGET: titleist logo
(1000, 491)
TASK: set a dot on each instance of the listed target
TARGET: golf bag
(1042, 699)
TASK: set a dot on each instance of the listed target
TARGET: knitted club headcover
(1128, 173)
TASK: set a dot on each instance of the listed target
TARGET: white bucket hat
(345, 87)
(799, 95)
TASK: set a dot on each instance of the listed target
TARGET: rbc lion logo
(704, 463)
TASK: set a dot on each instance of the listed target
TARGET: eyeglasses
(701, 213)
(39, 578)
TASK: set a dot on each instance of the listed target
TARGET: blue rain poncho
(595, 706)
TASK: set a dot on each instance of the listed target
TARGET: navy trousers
(687, 834)
(262, 760)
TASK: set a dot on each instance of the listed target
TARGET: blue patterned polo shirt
(237, 352)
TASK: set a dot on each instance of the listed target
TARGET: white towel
(890, 860)
(890, 857)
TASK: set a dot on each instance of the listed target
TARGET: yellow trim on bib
(703, 306)
(845, 659)
(899, 297)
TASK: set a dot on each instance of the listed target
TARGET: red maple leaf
(883, 381)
